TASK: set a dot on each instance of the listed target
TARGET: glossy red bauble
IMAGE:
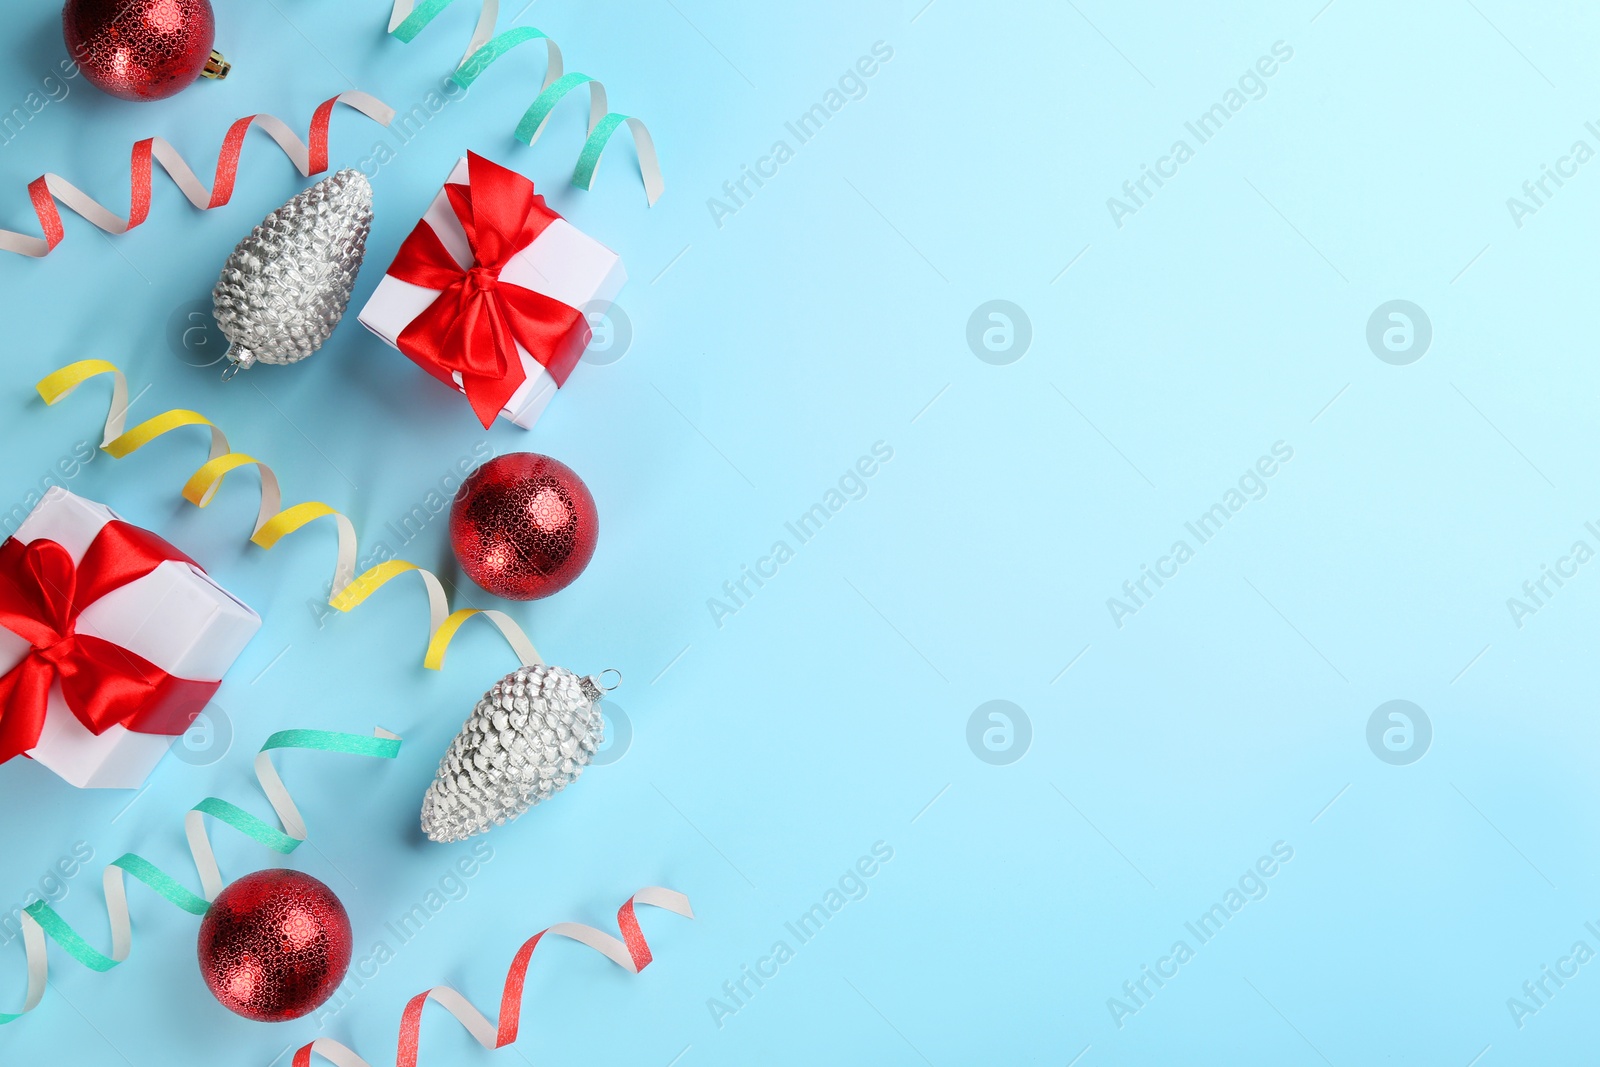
(275, 945)
(140, 49)
(523, 526)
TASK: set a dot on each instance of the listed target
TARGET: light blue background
(769, 353)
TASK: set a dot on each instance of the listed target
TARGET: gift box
(489, 292)
(111, 642)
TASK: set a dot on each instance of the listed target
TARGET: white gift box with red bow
(562, 262)
(175, 617)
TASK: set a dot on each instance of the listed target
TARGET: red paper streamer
(631, 953)
(45, 190)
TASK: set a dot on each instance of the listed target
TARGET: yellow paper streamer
(273, 521)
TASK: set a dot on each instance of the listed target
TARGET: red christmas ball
(142, 49)
(523, 526)
(274, 945)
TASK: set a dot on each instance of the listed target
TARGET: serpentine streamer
(273, 520)
(39, 919)
(631, 953)
(308, 159)
(408, 19)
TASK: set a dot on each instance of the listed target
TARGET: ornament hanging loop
(239, 358)
(601, 677)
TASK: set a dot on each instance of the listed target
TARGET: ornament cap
(216, 67)
(239, 358)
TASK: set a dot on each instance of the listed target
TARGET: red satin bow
(42, 593)
(477, 321)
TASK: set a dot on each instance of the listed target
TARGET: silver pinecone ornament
(529, 738)
(286, 286)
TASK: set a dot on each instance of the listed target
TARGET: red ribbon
(474, 326)
(42, 593)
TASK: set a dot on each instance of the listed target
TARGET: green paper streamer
(407, 31)
(556, 85)
(479, 61)
(43, 923)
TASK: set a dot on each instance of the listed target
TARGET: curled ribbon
(273, 521)
(308, 159)
(631, 953)
(42, 592)
(408, 19)
(475, 324)
(39, 919)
